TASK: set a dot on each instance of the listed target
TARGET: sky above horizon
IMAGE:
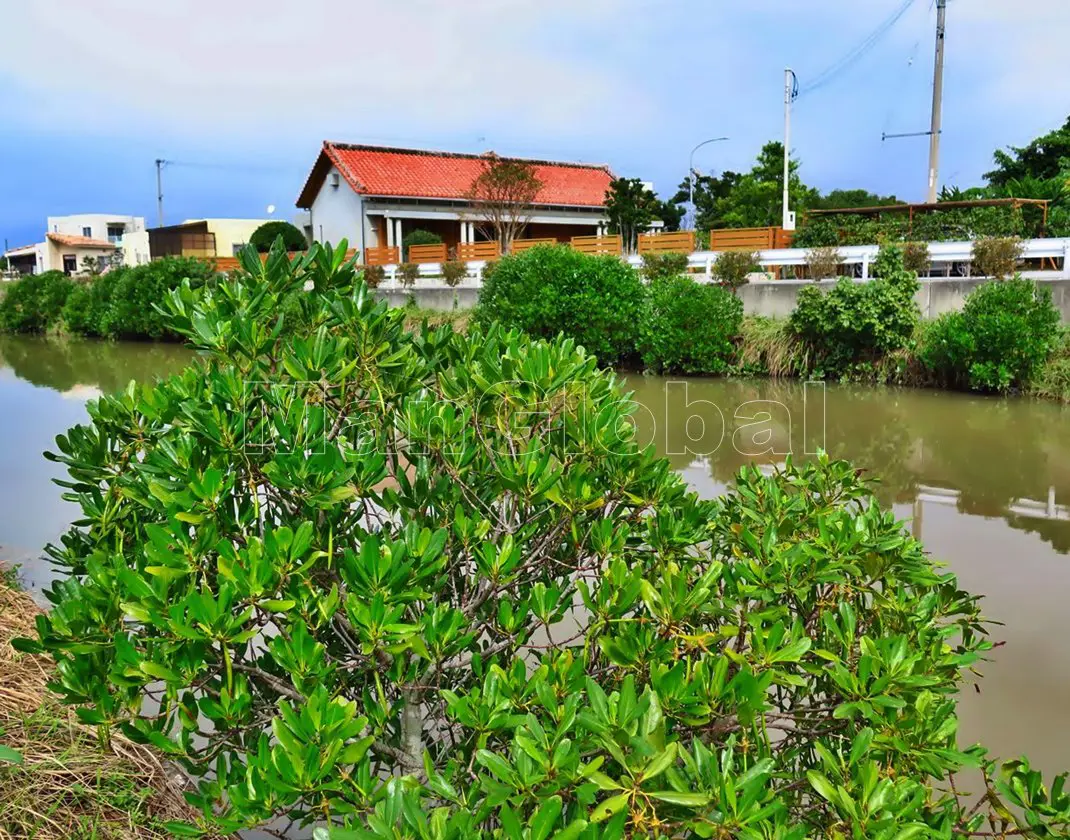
(240, 95)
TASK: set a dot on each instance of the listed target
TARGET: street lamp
(691, 175)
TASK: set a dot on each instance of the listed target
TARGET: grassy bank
(769, 347)
(64, 784)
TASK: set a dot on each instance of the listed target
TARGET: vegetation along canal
(984, 481)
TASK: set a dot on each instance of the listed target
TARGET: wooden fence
(750, 239)
(383, 255)
(678, 242)
(478, 251)
(427, 253)
(523, 244)
(598, 244)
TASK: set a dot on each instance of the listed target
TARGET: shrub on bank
(688, 327)
(33, 303)
(671, 264)
(732, 268)
(856, 323)
(548, 290)
(122, 302)
(1006, 330)
(374, 624)
(264, 236)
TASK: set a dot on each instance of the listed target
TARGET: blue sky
(241, 94)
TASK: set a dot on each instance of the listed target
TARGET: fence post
(865, 266)
(709, 268)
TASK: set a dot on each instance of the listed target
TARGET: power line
(858, 52)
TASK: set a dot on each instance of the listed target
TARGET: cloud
(380, 65)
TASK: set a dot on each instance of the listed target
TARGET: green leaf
(183, 829)
(675, 797)
(10, 756)
(610, 807)
(659, 763)
(542, 823)
(822, 785)
(160, 672)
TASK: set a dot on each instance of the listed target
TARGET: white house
(70, 239)
(372, 196)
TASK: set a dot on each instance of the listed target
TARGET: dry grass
(67, 786)
(459, 318)
(767, 346)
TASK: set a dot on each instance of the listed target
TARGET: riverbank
(56, 781)
(768, 347)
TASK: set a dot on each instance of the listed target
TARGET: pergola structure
(931, 207)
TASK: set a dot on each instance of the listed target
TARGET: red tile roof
(411, 173)
(79, 241)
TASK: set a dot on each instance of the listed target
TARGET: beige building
(202, 237)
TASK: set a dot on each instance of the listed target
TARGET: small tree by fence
(502, 196)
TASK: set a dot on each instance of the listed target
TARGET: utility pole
(791, 90)
(160, 163)
(938, 96)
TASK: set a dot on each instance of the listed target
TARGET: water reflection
(985, 457)
(44, 385)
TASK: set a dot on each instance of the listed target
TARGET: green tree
(1043, 158)
(631, 207)
(756, 199)
(708, 191)
(264, 236)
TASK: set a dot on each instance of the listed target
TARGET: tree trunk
(412, 731)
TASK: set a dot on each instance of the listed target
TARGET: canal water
(985, 483)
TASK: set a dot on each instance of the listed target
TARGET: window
(87, 232)
(115, 233)
(237, 248)
(70, 263)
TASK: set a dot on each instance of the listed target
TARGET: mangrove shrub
(856, 323)
(1004, 333)
(551, 290)
(689, 327)
(424, 585)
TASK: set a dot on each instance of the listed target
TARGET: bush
(409, 273)
(688, 327)
(997, 256)
(1003, 335)
(129, 297)
(856, 323)
(453, 272)
(732, 268)
(548, 290)
(264, 237)
(418, 237)
(373, 624)
(916, 257)
(671, 264)
(33, 304)
(374, 275)
(823, 262)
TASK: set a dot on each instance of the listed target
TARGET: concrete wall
(231, 233)
(776, 298)
(439, 298)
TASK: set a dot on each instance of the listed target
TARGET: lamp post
(691, 175)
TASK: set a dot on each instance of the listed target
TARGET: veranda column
(389, 232)
(398, 238)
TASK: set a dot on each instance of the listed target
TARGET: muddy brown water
(984, 482)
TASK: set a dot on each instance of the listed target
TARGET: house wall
(336, 213)
(136, 248)
(97, 222)
(56, 253)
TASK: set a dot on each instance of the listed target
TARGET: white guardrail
(947, 259)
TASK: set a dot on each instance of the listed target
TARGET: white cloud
(264, 64)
